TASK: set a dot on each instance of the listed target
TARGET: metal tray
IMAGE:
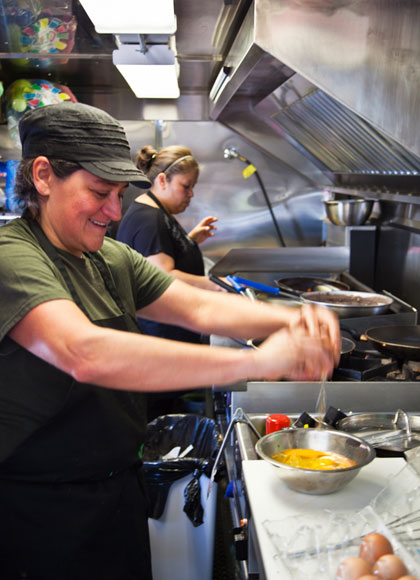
(396, 432)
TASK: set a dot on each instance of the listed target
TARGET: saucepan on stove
(345, 303)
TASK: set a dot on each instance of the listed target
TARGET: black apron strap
(51, 252)
(107, 278)
(171, 217)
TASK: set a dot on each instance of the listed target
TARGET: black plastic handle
(222, 283)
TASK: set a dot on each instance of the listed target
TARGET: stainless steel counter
(356, 396)
(257, 399)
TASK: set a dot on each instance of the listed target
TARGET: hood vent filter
(341, 140)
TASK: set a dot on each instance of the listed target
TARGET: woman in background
(149, 227)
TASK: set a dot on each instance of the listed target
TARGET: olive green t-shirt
(28, 277)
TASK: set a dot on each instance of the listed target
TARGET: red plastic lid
(276, 422)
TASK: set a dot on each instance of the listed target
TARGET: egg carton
(311, 550)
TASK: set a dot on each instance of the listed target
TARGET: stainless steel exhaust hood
(339, 80)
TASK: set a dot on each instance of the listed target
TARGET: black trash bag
(163, 434)
(192, 496)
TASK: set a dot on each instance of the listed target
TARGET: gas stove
(355, 368)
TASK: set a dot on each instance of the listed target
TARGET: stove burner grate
(373, 368)
(364, 369)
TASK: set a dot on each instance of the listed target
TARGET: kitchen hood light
(131, 16)
(151, 75)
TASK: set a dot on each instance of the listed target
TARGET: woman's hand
(203, 230)
(320, 323)
(294, 355)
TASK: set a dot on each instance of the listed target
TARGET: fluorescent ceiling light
(131, 16)
(153, 75)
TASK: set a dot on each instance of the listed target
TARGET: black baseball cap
(83, 134)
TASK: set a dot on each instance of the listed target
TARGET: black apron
(189, 259)
(72, 500)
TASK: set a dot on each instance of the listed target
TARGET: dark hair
(26, 193)
(153, 162)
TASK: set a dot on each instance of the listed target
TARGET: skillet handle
(399, 300)
(222, 284)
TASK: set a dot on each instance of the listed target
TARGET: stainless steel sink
(245, 437)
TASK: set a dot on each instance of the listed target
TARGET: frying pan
(301, 284)
(347, 345)
(345, 303)
(402, 342)
(350, 304)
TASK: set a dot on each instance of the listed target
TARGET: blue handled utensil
(243, 282)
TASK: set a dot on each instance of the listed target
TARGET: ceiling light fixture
(131, 16)
(152, 74)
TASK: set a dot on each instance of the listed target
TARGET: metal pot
(395, 432)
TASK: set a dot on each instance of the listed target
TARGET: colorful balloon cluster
(25, 94)
(40, 27)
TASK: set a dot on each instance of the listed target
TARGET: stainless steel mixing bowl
(315, 481)
(348, 212)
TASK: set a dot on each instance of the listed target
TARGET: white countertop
(271, 501)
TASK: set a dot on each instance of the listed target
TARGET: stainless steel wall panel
(244, 220)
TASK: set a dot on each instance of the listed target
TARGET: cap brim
(117, 170)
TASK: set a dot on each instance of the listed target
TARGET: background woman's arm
(166, 263)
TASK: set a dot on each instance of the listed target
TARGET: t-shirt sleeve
(27, 278)
(132, 270)
(147, 231)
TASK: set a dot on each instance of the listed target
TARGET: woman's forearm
(127, 361)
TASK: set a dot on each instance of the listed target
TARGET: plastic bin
(182, 523)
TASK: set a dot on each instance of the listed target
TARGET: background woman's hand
(203, 230)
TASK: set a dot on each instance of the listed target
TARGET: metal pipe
(232, 153)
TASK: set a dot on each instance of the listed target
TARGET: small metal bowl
(348, 212)
(315, 481)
